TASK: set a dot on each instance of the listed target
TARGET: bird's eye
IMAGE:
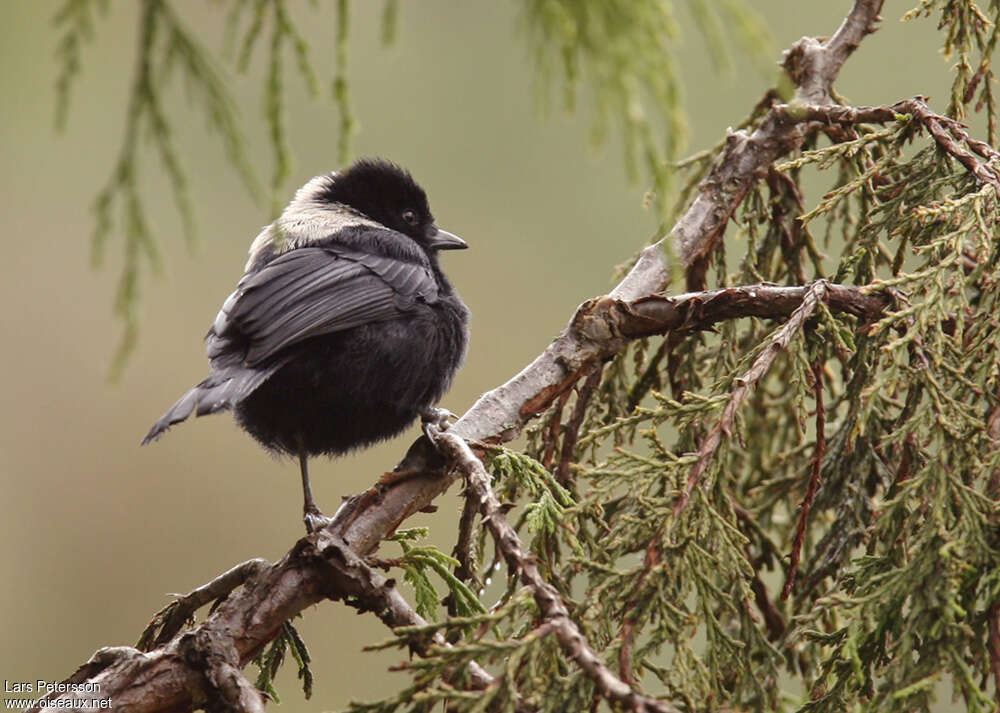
(410, 217)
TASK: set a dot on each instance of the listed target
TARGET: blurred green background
(95, 532)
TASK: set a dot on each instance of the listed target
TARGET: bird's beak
(443, 240)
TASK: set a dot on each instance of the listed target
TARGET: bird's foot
(439, 418)
(314, 519)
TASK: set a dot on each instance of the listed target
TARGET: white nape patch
(307, 219)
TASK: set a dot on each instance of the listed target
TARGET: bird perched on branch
(344, 328)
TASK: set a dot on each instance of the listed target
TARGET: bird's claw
(436, 417)
(315, 520)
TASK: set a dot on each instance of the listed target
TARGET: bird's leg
(433, 416)
(311, 515)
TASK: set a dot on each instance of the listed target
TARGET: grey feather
(220, 391)
(311, 291)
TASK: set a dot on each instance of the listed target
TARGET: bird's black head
(387, 193)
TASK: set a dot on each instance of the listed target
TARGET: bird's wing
(315, 290)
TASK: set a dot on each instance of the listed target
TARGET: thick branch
(814, 64)
(228, 689)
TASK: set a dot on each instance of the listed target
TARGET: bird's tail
(219, 392)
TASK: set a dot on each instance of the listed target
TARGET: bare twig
(773, 619)
(552, 608)
(650, 560)
(554, 429)
(649, 378)
(172, 618)
(465, 548)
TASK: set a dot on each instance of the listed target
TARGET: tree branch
(168, 621)
(553, 610)
(572, 432)
(814, 64)
(179, 675)
(949, 134)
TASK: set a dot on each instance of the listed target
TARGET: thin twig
(773, 619)
(649, 378)
(464, 550)
(814, 480)
(554, 429)
(650, 560)
(572, 431)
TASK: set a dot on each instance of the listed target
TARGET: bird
(342, 330)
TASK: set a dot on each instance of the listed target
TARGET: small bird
(343, 328)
